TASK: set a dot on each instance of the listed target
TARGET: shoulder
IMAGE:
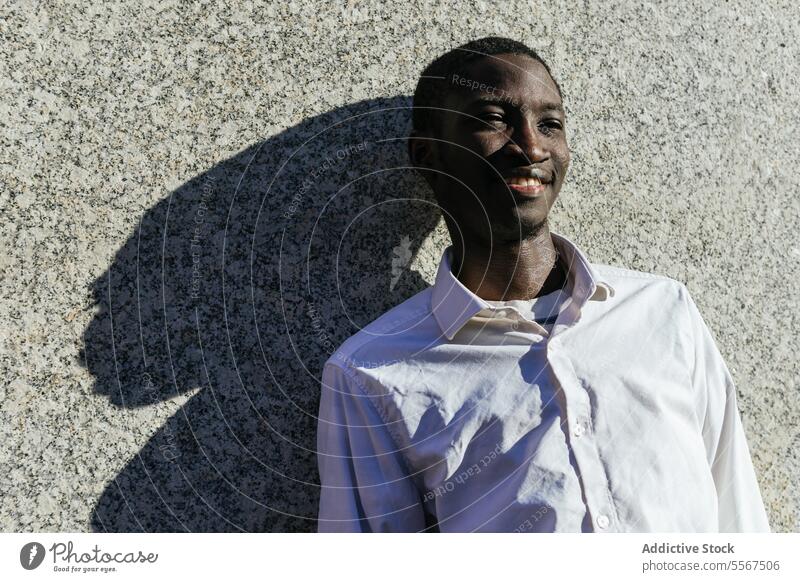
(660, 293)
(631, 279)
(402, 330)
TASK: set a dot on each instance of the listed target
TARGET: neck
(507, 270)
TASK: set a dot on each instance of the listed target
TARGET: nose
(525, 141)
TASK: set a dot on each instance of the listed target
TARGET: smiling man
(527, 390)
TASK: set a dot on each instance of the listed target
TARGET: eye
(494, 119)
(549, 126)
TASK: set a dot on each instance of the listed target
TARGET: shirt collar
(453, 304)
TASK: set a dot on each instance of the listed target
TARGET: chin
(520, 227)
(530, 219)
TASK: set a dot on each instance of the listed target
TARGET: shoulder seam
(624, 272)
(350, 373)
(388, 327)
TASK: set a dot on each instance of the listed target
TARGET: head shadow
(233, 291)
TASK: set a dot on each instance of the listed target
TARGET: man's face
(503, 152)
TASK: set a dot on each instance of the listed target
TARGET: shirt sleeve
(365, 486)
(740, 506)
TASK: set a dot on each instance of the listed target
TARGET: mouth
(526, 185)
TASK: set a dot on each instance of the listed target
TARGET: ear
(422, 151)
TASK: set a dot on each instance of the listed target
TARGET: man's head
(489, 127)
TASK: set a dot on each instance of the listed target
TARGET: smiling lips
(528, 186)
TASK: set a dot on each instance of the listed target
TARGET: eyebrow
(492, 100)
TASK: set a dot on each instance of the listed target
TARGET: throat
(522, 271)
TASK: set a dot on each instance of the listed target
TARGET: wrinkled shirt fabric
(602, 407)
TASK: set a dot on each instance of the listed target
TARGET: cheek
(475, 146)
(489, 144)
(469, 160)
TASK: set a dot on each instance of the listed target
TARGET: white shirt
(621, 417)
(543, 310)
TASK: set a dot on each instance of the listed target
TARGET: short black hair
(433, 84)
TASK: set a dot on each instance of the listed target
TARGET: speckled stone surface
(199, 201)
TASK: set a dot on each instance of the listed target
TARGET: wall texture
(199, 201)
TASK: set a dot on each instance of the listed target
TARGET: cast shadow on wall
(237, 287)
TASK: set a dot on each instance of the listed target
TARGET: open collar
(453, 304)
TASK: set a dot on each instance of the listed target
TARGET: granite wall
(199, 201)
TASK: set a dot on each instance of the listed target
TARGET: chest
(459, 401)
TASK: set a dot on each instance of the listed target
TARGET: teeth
(522, 181)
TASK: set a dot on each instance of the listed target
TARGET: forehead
(518, 78)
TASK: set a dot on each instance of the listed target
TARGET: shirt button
(578, 430)
(502, 313)
(602, 521)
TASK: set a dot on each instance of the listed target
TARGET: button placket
(592, 475)
(581, 426)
